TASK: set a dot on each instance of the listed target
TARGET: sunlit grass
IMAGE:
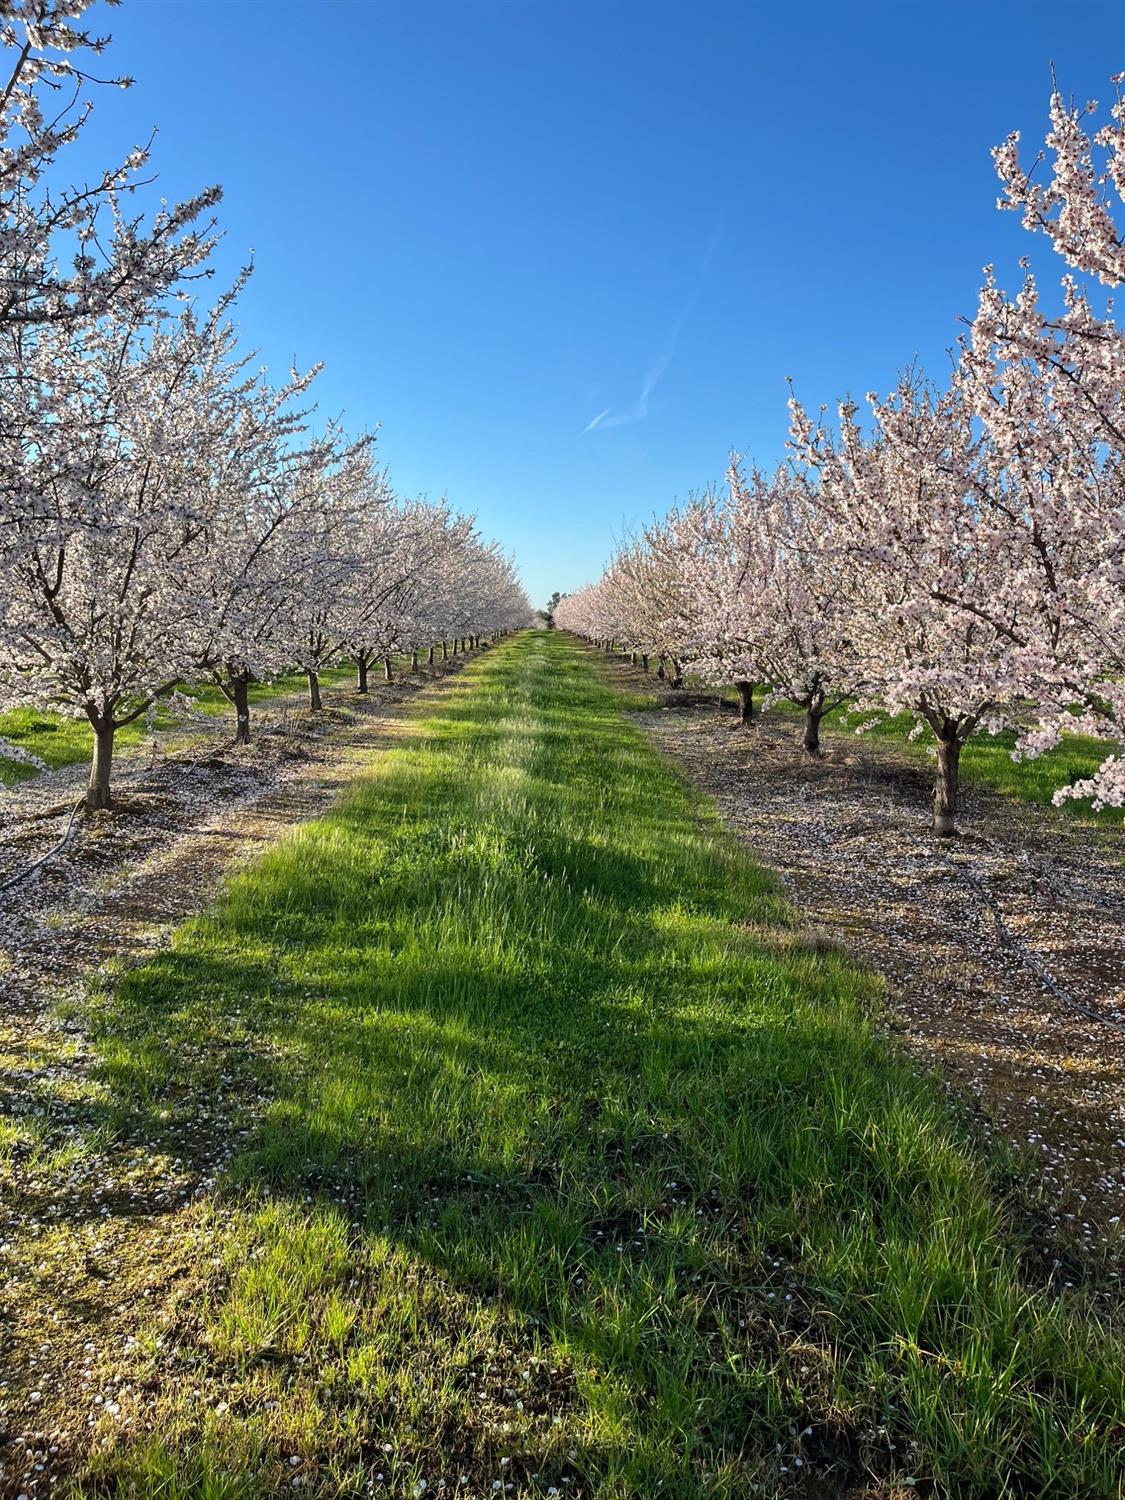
(569, 1165)
(59, 741)
(986, 759)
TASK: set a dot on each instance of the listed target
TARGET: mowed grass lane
(576, 1169)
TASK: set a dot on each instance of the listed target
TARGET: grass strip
(570, 1166)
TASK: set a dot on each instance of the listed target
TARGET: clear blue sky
(496, 219)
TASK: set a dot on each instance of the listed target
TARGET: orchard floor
(1003, 950)
(189, 808)
(502, 1131)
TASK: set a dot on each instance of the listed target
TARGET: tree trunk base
(97, 792)
(946, 789)
(240, 691)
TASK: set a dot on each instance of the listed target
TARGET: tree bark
(677, 674)
(431, 656)
(361, 669)
(946, 787)
(745, 691)
(414, 660)
(314, 690)
(810, 739)
(388, 670)
(444, 651)
(644, 661)
(97, 792)
(240, 697)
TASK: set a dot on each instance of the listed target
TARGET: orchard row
(960, 555)
(168, 515)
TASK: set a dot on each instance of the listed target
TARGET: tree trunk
(414, 660)
(677, 674)
(810, 739)
(240, 696)
(945, 787)
(388, 670)
(444, 651)
(314, 690)
(97, 792)
(660, 670)
(361, 668)
(745, 691)
(431, 656)
(644, 661)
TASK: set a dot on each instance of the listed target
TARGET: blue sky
(495, 220)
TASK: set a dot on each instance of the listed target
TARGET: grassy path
(567, 1166)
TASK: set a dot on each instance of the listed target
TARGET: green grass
(576, 1168)
(59, 741)
(985, 760)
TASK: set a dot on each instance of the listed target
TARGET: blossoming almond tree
(110, 428)
(781, 602)
(486, 594)
(912, 552)
(268, 482)
(429, 604)
(349, 499)
(97, 602)
(115, 261)
(1049, 387)
(399, 555)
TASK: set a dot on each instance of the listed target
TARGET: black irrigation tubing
(1024, 955)
(29, 870)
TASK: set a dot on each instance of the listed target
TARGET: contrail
(639, 409)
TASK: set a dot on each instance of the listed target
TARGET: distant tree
(548, 614)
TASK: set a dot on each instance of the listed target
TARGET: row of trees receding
(960, 555)
(167, 515)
